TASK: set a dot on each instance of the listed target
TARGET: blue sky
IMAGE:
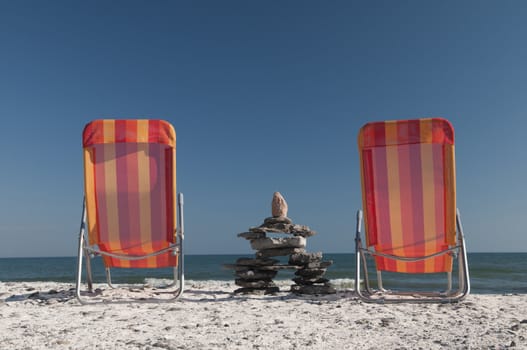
(265, 96)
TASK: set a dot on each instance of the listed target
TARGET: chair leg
(178, 271)
(359, 256)
(367, 284)
(79, 267)
(180, 238)
(109, 277)
(80, 254)
(89, 279)
(449, 282)
(464, 276)
(379, 282)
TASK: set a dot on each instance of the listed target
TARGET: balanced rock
(255, 275)
(265, 253)
(301, 230)
(280, 267)
(265, 229)
(320, 264)
(258, 230)
(305, 258)
(271, 243)
(256, 262)
(252, 275)
(278, 227)
(311, 273)
(278, 205)
(254, 284)
(277, 220)
(251, 235)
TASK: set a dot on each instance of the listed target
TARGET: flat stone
(313, 289)
(254, 284)
(258, 229)
(251, 235)
(305, 234)
(251, 275)
(266, 229)
(257, 291)
(278, 205)
(301, 230)
(278, 228)
(280, 267)
(278, 252)
(305, 258)
(310, 273)
(309, 281)
(272, 243)
(277, 220)
(318, 265)
(256, 262)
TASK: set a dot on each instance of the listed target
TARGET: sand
(45, 315)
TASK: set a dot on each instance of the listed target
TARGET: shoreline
(39, 315)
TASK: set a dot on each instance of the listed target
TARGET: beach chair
(129, 213)
(412, 225)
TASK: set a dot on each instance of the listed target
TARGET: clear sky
(265, 96)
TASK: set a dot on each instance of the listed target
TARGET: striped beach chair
(130, 213)
(412, 225)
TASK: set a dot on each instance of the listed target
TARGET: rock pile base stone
(310, 277)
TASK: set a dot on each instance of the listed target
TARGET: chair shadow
(189, 295)
(61, 295)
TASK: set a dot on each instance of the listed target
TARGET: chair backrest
(408, 192)
(130, 189)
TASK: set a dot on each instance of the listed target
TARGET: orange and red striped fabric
(408, 189)
(130, 189)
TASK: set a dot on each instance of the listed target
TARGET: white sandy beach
(45, 315)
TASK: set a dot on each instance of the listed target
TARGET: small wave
(344, 283)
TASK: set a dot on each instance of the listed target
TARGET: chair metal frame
(88, 252)
(382, 295)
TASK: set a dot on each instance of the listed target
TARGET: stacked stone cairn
(255, 275)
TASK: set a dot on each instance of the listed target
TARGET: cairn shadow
(213, 296)
(189, 295)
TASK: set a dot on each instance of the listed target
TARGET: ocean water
(499, 273)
